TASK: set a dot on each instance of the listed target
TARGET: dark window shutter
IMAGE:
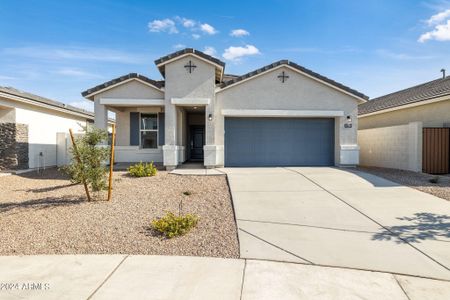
(134, 129)
(161, 126)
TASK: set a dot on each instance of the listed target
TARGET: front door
(197, 141)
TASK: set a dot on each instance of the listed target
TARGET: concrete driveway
(340, 217)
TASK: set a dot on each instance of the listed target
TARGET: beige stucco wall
(397, 147)
(431, 115)
(264, 92)
(43, 125)
(299, 92)
(123, 122)
(133, 89)
(7, 115)
(179, 83)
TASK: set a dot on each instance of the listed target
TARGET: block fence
(397, 147)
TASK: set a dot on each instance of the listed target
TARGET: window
(149, 131)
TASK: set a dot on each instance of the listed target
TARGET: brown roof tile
(299, 68)
(429, 90)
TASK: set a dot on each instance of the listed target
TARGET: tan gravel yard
(419, 181)
(46, 214)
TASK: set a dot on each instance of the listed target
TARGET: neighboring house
(280, 115)
(28, 128)
(407, 129)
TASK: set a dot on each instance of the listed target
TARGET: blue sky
(59, 48)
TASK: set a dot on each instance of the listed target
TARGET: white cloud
(208, 29)
(239, 32)
(73, 53)
(236, 53)
(166, 25)
(196, 36)
(440, 33)
(72, 72)
(188, 23)
(439, 17)
(179, 46)
(210, 51)
(83, 104)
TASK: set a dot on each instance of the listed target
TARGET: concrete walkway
(342, 218)
(165, 277)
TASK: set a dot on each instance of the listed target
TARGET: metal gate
(436, 150)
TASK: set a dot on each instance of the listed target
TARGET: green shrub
(187, 193)
(171, 225)
(142, 170)
(92, 153)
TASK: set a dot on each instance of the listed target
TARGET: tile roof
(429, 90)
(114, 81)
(39, 99)
(186, 51)
(299, 68)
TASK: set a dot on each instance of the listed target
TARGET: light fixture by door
(210, 117)
(348, 124)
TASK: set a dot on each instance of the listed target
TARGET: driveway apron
(340, 217)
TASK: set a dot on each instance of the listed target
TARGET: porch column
(170, 148)
(348, 143)
(101, 115)
(213, 154)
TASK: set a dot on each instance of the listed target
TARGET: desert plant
(187, 193)
(91, 154)
(142, 170)
(171, 225)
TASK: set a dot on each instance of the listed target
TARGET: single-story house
(279, 115)
(408, 129)
(29, 125)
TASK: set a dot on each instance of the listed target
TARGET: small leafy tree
(92, 153)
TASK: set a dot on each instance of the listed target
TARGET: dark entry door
(256, 142)
(197, 142)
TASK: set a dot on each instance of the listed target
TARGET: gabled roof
(220, 65)
(41, 100)
(298, 68)
(426, 91)
(115, 81)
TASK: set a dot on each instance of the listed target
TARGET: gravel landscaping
(46, 214)
(419, 181)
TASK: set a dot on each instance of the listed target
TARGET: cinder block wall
(397, 147)
(13, 146)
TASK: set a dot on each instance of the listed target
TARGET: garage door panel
(279, 142)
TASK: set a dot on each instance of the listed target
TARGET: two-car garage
(262, 141)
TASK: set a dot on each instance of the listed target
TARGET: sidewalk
(171, 277)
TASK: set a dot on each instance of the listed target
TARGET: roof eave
(360, 97)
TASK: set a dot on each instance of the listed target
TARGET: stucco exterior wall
(124, 151)
(132, 89)
(123, 122)
(431, 115)
(397, 147)
(299, 92)
(42, 128)
(7, 115)
(43, 125)
(179, 83)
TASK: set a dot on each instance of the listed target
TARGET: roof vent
(443, 73)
